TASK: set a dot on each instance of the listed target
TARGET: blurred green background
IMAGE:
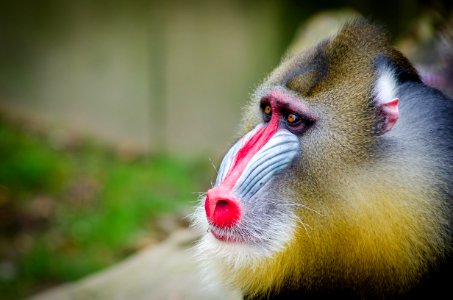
(113, 112)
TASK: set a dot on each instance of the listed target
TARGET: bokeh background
(113, 113)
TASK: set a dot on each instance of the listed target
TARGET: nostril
(222, 212)
(222, 204)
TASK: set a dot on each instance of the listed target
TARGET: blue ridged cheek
(276, 155)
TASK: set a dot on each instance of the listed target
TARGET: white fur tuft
(385, 87)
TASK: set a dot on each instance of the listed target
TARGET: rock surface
(167, 271)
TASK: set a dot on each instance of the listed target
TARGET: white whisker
(213, 165)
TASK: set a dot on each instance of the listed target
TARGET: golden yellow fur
(381, 236)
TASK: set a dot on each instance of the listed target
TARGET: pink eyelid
(280, 101)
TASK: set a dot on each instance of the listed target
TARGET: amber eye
(267, 113)
(293, 119)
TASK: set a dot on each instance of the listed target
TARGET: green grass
(70, 210)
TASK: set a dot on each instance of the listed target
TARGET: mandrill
(341, 185)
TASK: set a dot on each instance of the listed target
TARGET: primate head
(325, 188)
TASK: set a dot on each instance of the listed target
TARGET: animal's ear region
(388, 113)
(385, 97)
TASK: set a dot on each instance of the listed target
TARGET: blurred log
(167, 271)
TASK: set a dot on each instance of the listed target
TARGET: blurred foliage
(71, 208)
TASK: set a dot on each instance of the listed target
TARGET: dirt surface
(167, 271)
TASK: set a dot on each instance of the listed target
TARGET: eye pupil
(267, 110)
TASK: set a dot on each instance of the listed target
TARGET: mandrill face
(252, 210)
(241, 208)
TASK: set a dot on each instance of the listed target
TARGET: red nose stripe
(222, 207)
(251, 147)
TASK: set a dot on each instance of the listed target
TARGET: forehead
(324, 68)
(346, 59)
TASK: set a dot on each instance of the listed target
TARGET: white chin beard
(242, 254)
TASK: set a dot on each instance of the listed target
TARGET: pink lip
(224, 238)
(218, 236)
